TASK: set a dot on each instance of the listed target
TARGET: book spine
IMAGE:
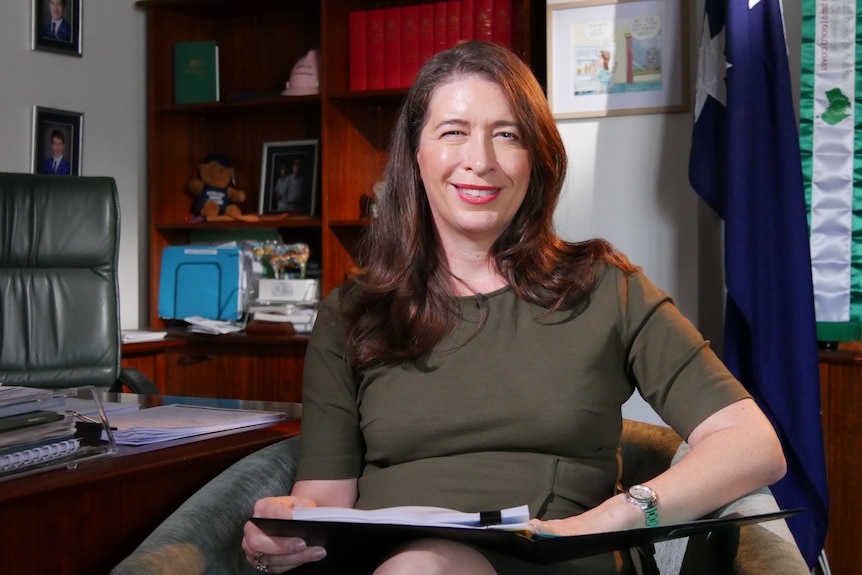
(392, 47)
(483, 19)
(501, 23)
(467, 17)
(358, 57)
(217, 76)
(453, 22)
(374, 32)
(440, 26)
(409, 44)
(426, 32)
(38, 454)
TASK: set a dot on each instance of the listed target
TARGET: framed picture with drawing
(56, 26)
(612, 57)
(288, 178)
(56, 142)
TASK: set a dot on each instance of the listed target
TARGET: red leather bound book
(392, 47)
(501, 23)
(358, 57)
(374, 32)
(440, 25)
(426, 32)
(409, 44)
(468, 15)
(483, 19)
(453, 22)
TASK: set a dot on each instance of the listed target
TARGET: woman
(477, 361)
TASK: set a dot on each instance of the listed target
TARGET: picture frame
(57, 134)
(614, 57)
(62, 36)
(288, 178)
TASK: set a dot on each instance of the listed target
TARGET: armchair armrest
(204, 534)
(136, 381)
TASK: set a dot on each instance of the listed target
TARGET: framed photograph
(613, 57)
(288, 178)
(57, 26)
(56, 142)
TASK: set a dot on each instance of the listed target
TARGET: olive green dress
(526, 411)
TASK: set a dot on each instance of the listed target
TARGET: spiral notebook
(38, 452)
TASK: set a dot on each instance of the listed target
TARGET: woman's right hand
(279, 554)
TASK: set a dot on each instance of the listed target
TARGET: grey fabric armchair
(203, 535)
(59, 294)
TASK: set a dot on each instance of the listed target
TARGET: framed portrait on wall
(56, 26)
(56, 142)
(288, 178)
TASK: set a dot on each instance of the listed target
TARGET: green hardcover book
(196, 72)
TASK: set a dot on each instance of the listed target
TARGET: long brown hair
(400, 305)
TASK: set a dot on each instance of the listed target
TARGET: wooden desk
(86, 520)
(244, 366)
(149, 357)
(841, 399)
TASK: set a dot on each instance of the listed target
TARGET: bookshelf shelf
(262, 104)
(299, 222)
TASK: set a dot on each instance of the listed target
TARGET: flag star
(711, 71)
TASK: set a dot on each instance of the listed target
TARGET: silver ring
(261, 566)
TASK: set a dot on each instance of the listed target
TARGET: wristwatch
(645, 498)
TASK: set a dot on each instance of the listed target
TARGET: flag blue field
(745, 163)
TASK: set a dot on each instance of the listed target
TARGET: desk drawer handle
(186, 359)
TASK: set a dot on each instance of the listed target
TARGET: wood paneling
(841, 393)
(237, 366)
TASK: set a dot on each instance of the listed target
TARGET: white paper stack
(168, 422)
(511, 519)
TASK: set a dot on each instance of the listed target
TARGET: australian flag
(745, 163)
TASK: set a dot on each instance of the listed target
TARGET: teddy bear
(214, 195)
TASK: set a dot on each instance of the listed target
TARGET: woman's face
(472, 162)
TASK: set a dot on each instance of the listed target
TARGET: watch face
(641, 493)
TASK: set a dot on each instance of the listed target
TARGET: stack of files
(302, 317)
(141, 335)
(31, 429)
(43, 429)
(212, 326)
(170, 422)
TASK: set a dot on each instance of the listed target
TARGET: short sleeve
(331, 445)
(674, 368)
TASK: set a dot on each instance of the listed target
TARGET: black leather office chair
(59, 295)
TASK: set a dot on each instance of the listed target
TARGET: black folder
(349, 538)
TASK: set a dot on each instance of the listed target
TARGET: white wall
(108, 85)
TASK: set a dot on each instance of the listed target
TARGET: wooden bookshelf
(259, 42)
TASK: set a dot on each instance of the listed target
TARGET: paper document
(168, 422)
(211, 326)
(140, 335)
(511, 519)
(90, 409)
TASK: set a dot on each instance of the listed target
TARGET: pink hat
(304, 79)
